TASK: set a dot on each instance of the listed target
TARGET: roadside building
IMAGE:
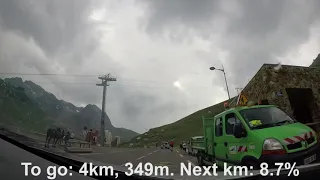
(295, 89)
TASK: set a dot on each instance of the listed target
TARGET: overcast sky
(160, 51)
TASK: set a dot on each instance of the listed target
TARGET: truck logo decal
(233, 149)
(252, 147)
(242, 149)
(300, 138)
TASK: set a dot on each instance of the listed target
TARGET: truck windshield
(259, 118)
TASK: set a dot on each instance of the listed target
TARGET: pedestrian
(91, 136)
(95, 135)
(84, 133)
(171, 145)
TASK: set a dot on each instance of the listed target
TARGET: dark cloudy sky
(159, 50)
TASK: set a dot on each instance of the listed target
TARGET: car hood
(286, 133)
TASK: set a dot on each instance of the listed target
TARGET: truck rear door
(207, 140)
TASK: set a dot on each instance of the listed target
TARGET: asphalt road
(121, 156)
(117, 157)
(155, 156)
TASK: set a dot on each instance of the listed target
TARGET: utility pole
(105, 79)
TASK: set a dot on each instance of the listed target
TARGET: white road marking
(191, 163)
(149, 154)
(177, 151)
(181, 155)
(156, 151)
(88, 154)
(140, 157)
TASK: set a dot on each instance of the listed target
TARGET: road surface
(121, 156)
(155, 156)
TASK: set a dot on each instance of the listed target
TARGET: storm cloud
(250, 32)
(160, 51)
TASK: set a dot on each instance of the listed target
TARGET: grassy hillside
(180, 130)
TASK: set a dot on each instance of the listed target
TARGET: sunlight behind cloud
(98, 15)
(177, 85)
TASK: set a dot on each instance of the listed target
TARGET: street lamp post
(225, 78)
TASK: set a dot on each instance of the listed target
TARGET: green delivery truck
(250, 135)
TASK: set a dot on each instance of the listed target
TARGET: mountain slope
(58, 112)
(17, 111)
(182, 129)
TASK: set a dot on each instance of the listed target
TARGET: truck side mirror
(239, 131)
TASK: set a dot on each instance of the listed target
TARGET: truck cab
(250, 135)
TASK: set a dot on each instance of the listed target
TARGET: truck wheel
(200, 160)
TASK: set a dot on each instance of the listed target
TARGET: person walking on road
(171, 145)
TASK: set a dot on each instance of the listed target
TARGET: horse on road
(60, 138)
(54, 134)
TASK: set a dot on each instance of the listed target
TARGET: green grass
(180, 130)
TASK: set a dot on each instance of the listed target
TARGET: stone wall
(271, 79)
